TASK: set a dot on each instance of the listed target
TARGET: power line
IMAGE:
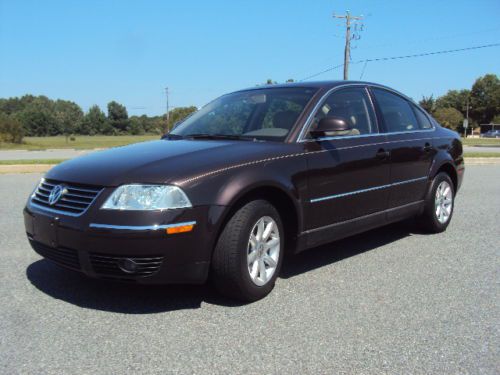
(435, 38)
(401, 57)
(430, 53)
(322, 72)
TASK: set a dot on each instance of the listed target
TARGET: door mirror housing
(330, 124)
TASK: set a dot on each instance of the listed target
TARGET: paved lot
(45, 154)
(481, 149)
(390, 301)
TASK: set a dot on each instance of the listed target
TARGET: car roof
(313, 84)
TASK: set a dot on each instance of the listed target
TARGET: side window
(351, 104)
(396, 111)
(423, 120)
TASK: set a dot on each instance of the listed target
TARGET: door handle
(382, 154)
(427, 147)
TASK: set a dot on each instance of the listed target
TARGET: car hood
(161, 161)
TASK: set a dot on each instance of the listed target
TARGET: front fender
(222, 190)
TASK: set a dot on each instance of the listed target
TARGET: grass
(481, 142)
(31, 161)
(482, 154)
(81, 142)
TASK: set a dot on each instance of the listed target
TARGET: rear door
(409, 137)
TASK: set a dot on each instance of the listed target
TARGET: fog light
(128, 265)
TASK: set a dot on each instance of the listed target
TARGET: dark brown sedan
(250, 177)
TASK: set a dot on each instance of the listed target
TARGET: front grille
(109, 265)
(61, 255)
(74, 200)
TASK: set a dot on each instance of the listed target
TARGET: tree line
(483, 100)
(40, 116)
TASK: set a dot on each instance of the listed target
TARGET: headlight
(147, 197)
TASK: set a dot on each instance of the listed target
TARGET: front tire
(249, 252)
(439, 204)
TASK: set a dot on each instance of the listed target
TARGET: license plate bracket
(45, 230)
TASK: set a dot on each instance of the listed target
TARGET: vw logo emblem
(56, 194)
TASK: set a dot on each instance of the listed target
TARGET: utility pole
(467, 119)
(168, 111)
(349, 20)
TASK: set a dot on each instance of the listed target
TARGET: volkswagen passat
(250, 178)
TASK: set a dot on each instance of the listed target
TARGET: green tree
(455, 99)
(38, 122)
(118, 116)
(485, 98)
(94, 122)
(428, 103)
(449, 117)
(136, 126)
(11, 129)
(69, 116)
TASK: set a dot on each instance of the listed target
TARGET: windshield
(267, 114)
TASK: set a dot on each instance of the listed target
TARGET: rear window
(397, 112)
(423, 120)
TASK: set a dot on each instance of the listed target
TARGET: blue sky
(93, 51)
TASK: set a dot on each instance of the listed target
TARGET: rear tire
(247, 259)
(439, 204)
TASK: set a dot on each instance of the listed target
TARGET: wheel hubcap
(443, 202)
(263, 250)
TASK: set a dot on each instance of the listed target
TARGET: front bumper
(109, 244)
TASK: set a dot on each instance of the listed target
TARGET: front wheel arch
(288, 210)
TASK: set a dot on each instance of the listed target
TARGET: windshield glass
(267, 114)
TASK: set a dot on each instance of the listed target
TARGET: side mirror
(330, 124)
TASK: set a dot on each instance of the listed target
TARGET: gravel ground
(391, 301)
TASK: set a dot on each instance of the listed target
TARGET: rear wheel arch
(449, 169)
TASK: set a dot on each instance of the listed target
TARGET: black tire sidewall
(430, 209)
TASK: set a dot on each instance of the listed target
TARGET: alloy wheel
(263, 250)
(443, 202)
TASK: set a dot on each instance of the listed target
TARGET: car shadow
(325, 255)
(77, 289)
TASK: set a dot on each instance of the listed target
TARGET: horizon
(95, 52)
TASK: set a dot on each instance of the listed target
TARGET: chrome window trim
(301, 138)
(139, 227)
(411, 102)
(307, 125)
(341, 195)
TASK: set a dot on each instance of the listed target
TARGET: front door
(348, 172)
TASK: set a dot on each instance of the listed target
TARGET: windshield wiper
(172, 136)
(218, 136)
